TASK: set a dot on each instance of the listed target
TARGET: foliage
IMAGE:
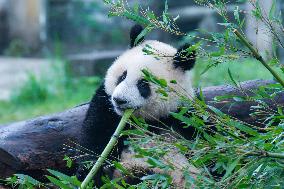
(244, 155)
(18, 109)
(17, 48)
(229, 153)
(45, 94)
(31, 92)
(83, 25)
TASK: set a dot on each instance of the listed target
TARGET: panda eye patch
(121, 78)
(144, 88)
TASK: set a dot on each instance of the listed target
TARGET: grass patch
(248, 69)
(81, 92)
(55, 91)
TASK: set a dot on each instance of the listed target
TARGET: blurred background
(53, 53)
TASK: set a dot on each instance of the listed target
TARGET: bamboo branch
(258, 56)
(274, 155)
(107, 149)
(263, 154)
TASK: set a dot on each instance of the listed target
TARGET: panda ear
(135, 31)
(185, 58)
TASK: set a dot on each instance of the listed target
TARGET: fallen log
(32, 146)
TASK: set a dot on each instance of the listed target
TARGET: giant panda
(124, 87)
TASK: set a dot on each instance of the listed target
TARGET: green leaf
(151, 15)
(201, 96)
(181, 147)
(204, 159)
(273, 61)
(176, 18)
(156, 163)
(242, 23)
(243, 127)
(206, 69)
(173, 81)
(136, 132)
(188, 121)
(231, 77)
(150, 77)
(58, 183)
(238, 99)
(158, 180)
(26, 178)
(228, 97)
(230, 169)
(107, 2)
(218, 53)
(120, 167)
(72, 180)
(136, 18)
(136, 8)
(147, 30)
(162, 92)
(209, 138)
(192, 48)
(216, 111)
(257, 13)
(237, 15)
(163, 83)
(166, 20)
(272, 10)
(68, 161)
(166, 6)
(225, 24)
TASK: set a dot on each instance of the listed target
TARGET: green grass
(36, 98)
(81, 92)
(248, 69)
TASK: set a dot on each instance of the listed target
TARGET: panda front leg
(98, 127)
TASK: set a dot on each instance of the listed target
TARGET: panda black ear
(185, 58)
(135, 31)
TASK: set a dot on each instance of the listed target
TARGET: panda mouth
(123, 108)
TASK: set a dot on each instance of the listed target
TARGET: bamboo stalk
(107, 149)
(258, 56)
(263, 154)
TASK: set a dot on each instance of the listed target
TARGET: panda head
(127, 88)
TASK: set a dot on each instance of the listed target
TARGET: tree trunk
(32, 146)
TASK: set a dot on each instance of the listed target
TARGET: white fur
(139, 166)
(134, 60)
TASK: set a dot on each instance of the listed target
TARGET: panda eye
(121, 78)
(144, 88)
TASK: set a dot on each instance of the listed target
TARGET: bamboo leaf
(58, 183)
(231, 77)
(147, 30)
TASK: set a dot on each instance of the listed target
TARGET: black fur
(122, 77)
(98, 127)
(183, 59)
(144, 88)
(134, 32)
(100, 122)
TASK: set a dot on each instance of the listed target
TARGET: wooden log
(34, 145)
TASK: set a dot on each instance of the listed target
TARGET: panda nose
(119, 101)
